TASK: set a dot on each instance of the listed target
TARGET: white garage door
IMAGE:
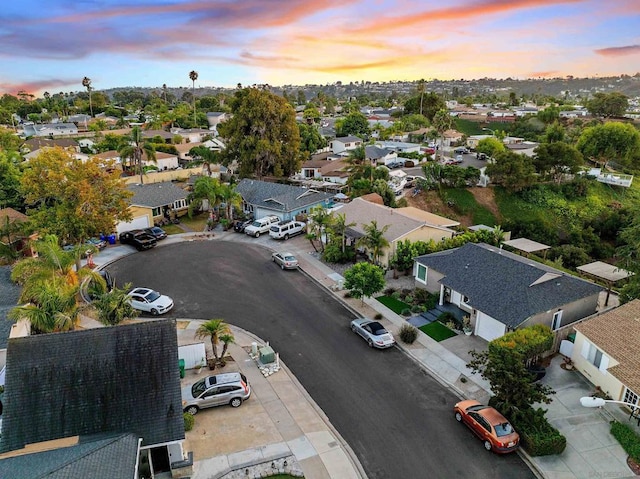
(488, 328)
(134, 224)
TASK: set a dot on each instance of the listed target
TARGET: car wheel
(458, 417)
(282, 266)
(353, 328)
(487, 445)
(286, 237)
(154, 312)
(257, 234)
(236, 402)
(193, 410)
(273, 258)
(370, 343)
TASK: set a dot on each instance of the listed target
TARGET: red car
(489, 425)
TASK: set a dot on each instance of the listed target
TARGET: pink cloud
(619, 51)
(37, 87)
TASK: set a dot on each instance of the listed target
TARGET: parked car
(97, 242)
(285, 260)
(150, 301)
(239, 225)
(287, 229)
(489, 425)
(157, 232)
(228, 388)
(481, 156)
(373, 333)
(138, 239)
(461, 150)
(458, 159)
(261, 225)
(93, 245)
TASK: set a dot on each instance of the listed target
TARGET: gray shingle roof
(375, 153)
(279, 197)
(503, 285)
(155, 195)
(9, 293)
(97, 457)
(106, 380)
(348, 139)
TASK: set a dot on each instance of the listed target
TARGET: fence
(193, 354)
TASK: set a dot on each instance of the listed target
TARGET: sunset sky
(51, 46)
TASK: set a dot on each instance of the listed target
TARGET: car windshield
(198, 388)
(152, 296)
(256, 224)
(503, 429)
(289, 258)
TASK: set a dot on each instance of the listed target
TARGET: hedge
(627, 438)
(537, 436)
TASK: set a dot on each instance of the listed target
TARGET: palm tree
(213, 329)
(231, 198)
(205, 188)
(339, 227)
(374, 239)
(321, 219)
(52, 307)
(164, 92)
(194, 76)
(226, 339)
(114, 306)
(421, 91)
(442, 122)
(86, 82)
(136, 149)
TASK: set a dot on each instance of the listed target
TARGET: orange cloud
(37, 87)
(458, 12)
(548, 74)
(619, 51)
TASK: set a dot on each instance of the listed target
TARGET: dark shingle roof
(375, 153)
(9, 293)
(97, 457)
(348, 139)
(155, 195)
(122, 379)
(279, 197)
(507, 287)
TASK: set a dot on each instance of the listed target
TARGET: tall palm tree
(442, 122)
(136, 149)
(421, 91)
(193, 75)
(86, 82)
(321, 219)
(374, 239)
(231, 199)
(164, 92)
(213, 329)
(339, 227)
(226, 339)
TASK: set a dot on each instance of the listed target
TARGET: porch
(433, 314)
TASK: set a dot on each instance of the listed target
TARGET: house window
(595, 356)
(421, 273)
(630, 397)
(557, 320)
(179, 204)
(156, 212)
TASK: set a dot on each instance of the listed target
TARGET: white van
(287, 229)
(261, 225)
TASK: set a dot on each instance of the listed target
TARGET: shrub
(408, 299)
(450, 321)
(416, 308)
(396, 295)
(378, 316)
(406, 312)
(389, 291)
(189, 421)
(333, 254)
(347, 294)
(408, 333)
(537, 436)
(627, 438)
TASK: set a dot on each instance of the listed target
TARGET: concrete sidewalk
(300, 427)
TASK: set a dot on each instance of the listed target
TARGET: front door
(557, 320)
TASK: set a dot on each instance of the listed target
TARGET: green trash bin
(181, 364)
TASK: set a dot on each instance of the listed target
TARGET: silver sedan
(285, 260)
(373, 333)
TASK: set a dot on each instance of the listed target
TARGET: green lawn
(172, 229)
(393, 304)
(197, 223)
(437, 331)
(466, 203)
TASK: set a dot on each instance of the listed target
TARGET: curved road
(394, 415)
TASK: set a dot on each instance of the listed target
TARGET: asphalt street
(395, 416)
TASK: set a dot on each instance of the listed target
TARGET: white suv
(287, 229)
(261, 225)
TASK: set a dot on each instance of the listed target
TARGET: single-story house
(34, 144)
(502, 291)
(153, 202)
(192, 135)
(345, 143)
(50, 130)
(473, 140)
(333, 171)
(261, 198)
(380, 156)
(607, 351)
(110, 381)
(400, 226)
(164, 161)
(399, 146)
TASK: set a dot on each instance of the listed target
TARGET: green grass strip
(437, 331)
(393, 304)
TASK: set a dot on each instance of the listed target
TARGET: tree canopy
(72, 199)
(355, 123)
(363, 280)
(554, 160)
(262, 135)
(511, 170)
(611, 141)
(608, 104)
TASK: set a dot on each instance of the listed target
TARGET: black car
(240, 225)
(138, 239)
(157, 232)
